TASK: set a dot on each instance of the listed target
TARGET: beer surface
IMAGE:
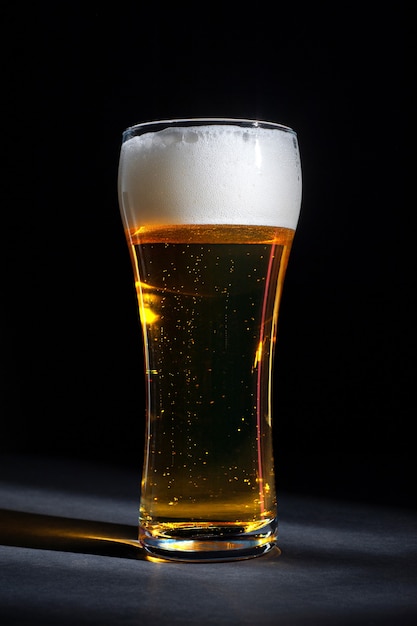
(208, 298)
(220, 174)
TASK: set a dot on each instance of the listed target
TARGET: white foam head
(211, 174)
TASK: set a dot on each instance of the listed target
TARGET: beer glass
(210, 208)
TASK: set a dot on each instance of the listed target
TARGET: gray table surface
(68, 555)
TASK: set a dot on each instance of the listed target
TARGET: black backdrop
(75, 77)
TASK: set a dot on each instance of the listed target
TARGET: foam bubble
(219, 174)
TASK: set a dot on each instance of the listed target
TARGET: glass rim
(157, 125)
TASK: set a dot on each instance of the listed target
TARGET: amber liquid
(208, 299)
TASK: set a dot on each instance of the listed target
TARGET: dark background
(340, 75)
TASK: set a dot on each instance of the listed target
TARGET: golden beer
(208, 297)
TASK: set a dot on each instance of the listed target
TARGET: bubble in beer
(220, 174)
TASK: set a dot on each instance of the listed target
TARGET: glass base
(209, 543)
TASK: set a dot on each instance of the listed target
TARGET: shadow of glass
(47, 532)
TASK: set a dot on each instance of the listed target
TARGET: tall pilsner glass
(210, 208)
